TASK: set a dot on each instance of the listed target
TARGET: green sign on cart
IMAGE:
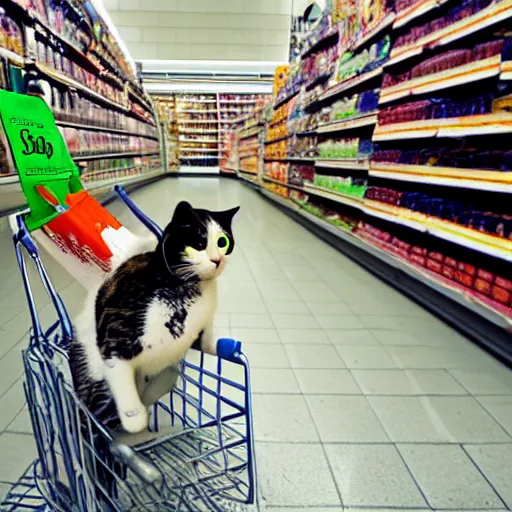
(39, 153)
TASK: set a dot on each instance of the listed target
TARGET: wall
(241, 30)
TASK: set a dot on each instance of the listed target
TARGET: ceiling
(225, 30)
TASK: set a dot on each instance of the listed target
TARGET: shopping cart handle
(229, 349)
(137, 463)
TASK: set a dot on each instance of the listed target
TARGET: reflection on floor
(361, 398)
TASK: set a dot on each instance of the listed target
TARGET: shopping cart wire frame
(203, 460)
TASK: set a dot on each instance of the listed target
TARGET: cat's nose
(217, 262)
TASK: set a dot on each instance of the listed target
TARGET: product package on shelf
(408, 138)
(64, 52)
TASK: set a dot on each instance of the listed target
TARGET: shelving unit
(403, 152)
(106, 118)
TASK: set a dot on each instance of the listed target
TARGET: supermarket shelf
(350, 83)
(181, 100)
(461, 75)
(108, 156)
(278, 139)
(80, 126)
(348, 124)
(199, 150)
(492, 181)
(12, 57)
(197, 111)
(459, 235)
(200, 131)
(12, 197)
(203, 141)
(305, 133)
(286, 99)
(238, 102)
(486, 18)
(70, 82)
(343, 163)
(198, 121)
(247, 171)
(199, 170)
(415, 11)
(291, 159)
(333, 32)
(486, 124)
(468, 301)
(204, 157)
(372, 32)
(250, 135)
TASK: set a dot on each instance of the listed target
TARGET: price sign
(39, 153)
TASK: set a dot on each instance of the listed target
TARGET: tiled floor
(362, 400)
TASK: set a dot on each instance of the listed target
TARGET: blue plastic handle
(152, 226)
(229, 349)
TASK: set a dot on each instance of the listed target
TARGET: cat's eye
(223, 242)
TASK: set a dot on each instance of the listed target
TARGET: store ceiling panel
(240, 30)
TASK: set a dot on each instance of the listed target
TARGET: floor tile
(329, 308)
(285, 307)
(398, 323)
(390, 337)
(308, 481)
(327, 382)
(500, 408)
(268, 380)
(480, 382)
(407, 382)
(18, 452)
(495, 463)
(248, 320)
(289, 321)
(266, 356)
(283, 418)
(339, 322)
(11, 367)
(21, 423)
(448, 478)
(458, 419)
(255, 335)
(345, 419)
(11, 403)
(300, 273)
(282, 291)
(351, 337)
(372, 476)
(4, 489)
(315, 292)
(313, 356)
(365, 357)
(303, 336)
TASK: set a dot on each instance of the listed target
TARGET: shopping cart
(198, 457)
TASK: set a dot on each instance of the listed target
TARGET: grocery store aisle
(361, 398)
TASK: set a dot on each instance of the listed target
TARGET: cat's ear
(225, 217)
(182, 213)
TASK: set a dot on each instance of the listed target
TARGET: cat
(146, 316)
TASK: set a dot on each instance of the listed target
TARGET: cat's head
(197, 242)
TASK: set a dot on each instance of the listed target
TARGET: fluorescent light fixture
(210, 66)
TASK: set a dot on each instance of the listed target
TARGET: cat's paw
(135, 420)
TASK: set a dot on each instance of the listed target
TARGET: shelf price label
(39, 153)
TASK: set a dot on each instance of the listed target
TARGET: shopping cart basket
(199, 455)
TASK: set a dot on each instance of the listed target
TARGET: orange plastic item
(78, 230)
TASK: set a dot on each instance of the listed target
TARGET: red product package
(437, 256)
(504, 283)
(464, 278)
(419, 250)
(435, 266)
(483, 286)
(501, 295)
(419, 260)
(448, 272)
(486, 276)
(450, 262)
(469, 269)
